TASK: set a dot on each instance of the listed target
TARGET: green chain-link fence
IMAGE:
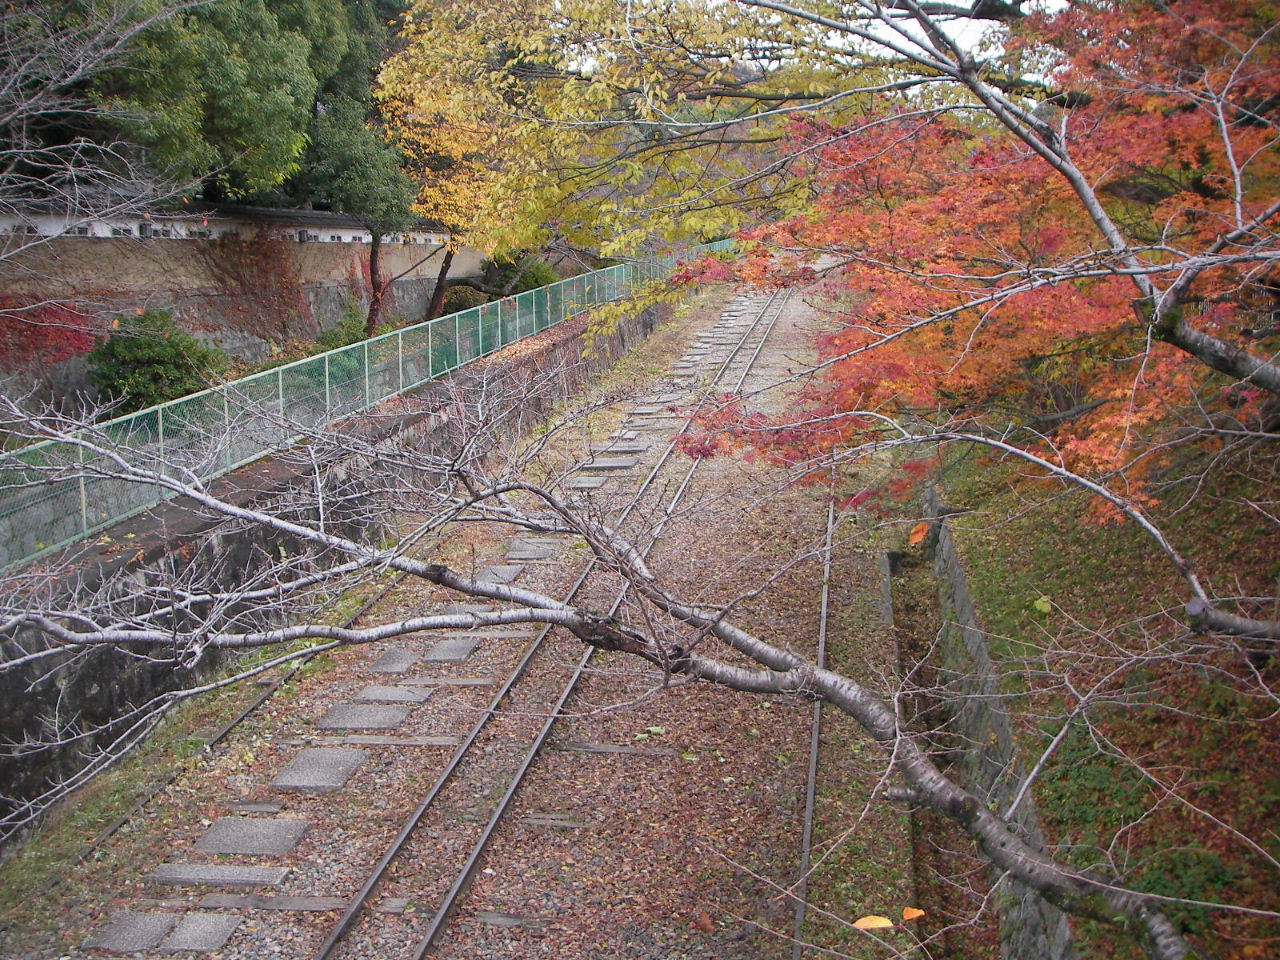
(53, 494)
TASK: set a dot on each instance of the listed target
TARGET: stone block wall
(990, 764)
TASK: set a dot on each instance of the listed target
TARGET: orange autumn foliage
(973, 281)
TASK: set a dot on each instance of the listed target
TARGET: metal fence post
(160, 431)
(328, 400)
(367, 401)
(226, 427)
(400, 357)
(84, 497)
(457, 338)
(431, 350)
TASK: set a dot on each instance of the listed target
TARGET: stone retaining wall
(271, 294)
(989, 764)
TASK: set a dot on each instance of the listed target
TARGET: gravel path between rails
(674, 845)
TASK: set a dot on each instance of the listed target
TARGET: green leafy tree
(355, 171)
(348, 166)
(228, 91)
(271, 103)
(225, 92)
(372, 30)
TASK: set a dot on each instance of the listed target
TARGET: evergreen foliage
(463, 297)
(539, 273)
(234, 92)
(353, 170)
(151, 362)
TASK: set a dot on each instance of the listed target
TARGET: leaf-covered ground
(1064, 595)
(685, 852)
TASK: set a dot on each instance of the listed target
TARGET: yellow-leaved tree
(446, 154)
(614, 133)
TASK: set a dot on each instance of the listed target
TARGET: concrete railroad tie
(363, 716)
(131, 932)
(319, 770)
(252, 836)
(452, 649)
(396, 660)
(609, 464)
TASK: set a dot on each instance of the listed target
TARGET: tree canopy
(609, 129)
(1092, 259)
(55, 148)
(224, 89)
(112, 106)
(1067, 216)
(227, 92)
(354, 170)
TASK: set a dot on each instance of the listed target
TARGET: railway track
(491, 758)
(96, 843)
(730, 374)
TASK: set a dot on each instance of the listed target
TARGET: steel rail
(800, 890)
(357, 904)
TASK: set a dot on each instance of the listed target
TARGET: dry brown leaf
(873, 922)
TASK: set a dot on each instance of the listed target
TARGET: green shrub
(152, 361)
(536, 274)
(349, 331)
(463, 297)
(533, 274)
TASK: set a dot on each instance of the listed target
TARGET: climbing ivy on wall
(258, 281)
(34, 333)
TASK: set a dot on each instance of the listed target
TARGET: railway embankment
(81, 703)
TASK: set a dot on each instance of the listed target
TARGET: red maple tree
(1085, 262)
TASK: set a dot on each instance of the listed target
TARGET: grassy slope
(1107, 586)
